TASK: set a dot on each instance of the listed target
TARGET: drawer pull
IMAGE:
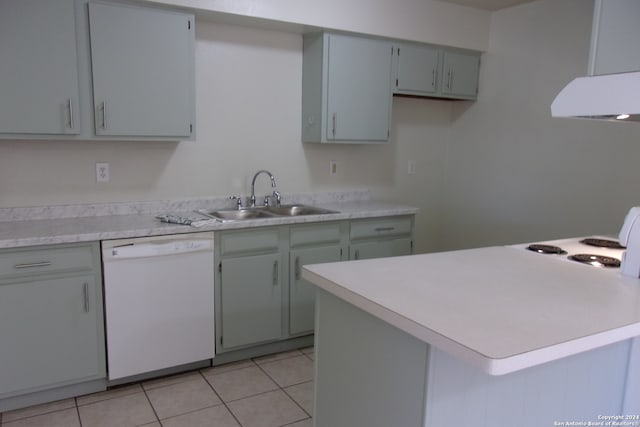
(297, 268)
(33, 264)
(385, 228)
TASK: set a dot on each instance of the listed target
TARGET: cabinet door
(143, 71)
(358, 89)
(39, 84)
(380, 249)
(460, 75)
(301, 292)
(417, 70)
(50, 334)
(251, 300)
(614, 42)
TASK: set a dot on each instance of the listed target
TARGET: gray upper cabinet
(432, 71)
(346, 89)
(460, 74)
(614, 40)
(417, 70)
(87, 70)
(39, 86)
(143, 71)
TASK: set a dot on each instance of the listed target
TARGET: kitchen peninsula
(496, 336)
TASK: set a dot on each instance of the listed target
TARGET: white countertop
(500, 308)
(141, 222)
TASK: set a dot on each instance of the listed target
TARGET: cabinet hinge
(220, 268)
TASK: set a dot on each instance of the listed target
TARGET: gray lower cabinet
(261, 297)
(381, 237)
(434, 71)
(346, 89)
(310, 244)
(39, 91)
(249, 287)
(51, 324)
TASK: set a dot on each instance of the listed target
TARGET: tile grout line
(284, 391)
(150, 404)
(219, 397)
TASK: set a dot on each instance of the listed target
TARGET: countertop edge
(490, 365)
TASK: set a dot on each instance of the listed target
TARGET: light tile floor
(269, 391)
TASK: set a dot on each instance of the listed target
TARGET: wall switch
(102, 172)
(333, 167)
(411, 167)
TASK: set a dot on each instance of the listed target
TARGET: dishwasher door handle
(147, 250)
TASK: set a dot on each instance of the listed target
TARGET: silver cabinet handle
(275, 273)
(357, 254)
(297, 268)
(433, 78)
(385, 228)
(333, 128)
(33, 264)
(449, 78)
(104, 114)
(70, 106)
(86, 297)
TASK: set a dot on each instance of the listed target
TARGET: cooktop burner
(596, 260)
(546, 249)
(602, 243)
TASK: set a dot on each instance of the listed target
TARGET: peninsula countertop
(501, 309)
(31, 226)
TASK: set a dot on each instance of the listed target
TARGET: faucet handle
(238, 201)
(278, 197)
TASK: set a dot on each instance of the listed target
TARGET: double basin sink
(263, 212)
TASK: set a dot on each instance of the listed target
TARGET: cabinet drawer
(315, 234)
(26, 262)
(254, 240)
(380, 227)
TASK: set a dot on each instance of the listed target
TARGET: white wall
(515, 174)
(429, 21)
(248, 100)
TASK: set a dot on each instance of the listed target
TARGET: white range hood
(613, 97)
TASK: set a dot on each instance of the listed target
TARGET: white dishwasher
(159, 304)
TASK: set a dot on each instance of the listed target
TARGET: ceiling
(488, 4)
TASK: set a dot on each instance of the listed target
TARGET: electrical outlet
(333, 167)
(411, 167)
(102, 172)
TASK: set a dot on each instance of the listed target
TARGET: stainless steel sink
(264, 212)
(237, 214)
(296, 210)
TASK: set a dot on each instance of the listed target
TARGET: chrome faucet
(276, 194)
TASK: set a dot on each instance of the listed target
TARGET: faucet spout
(253, 184)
